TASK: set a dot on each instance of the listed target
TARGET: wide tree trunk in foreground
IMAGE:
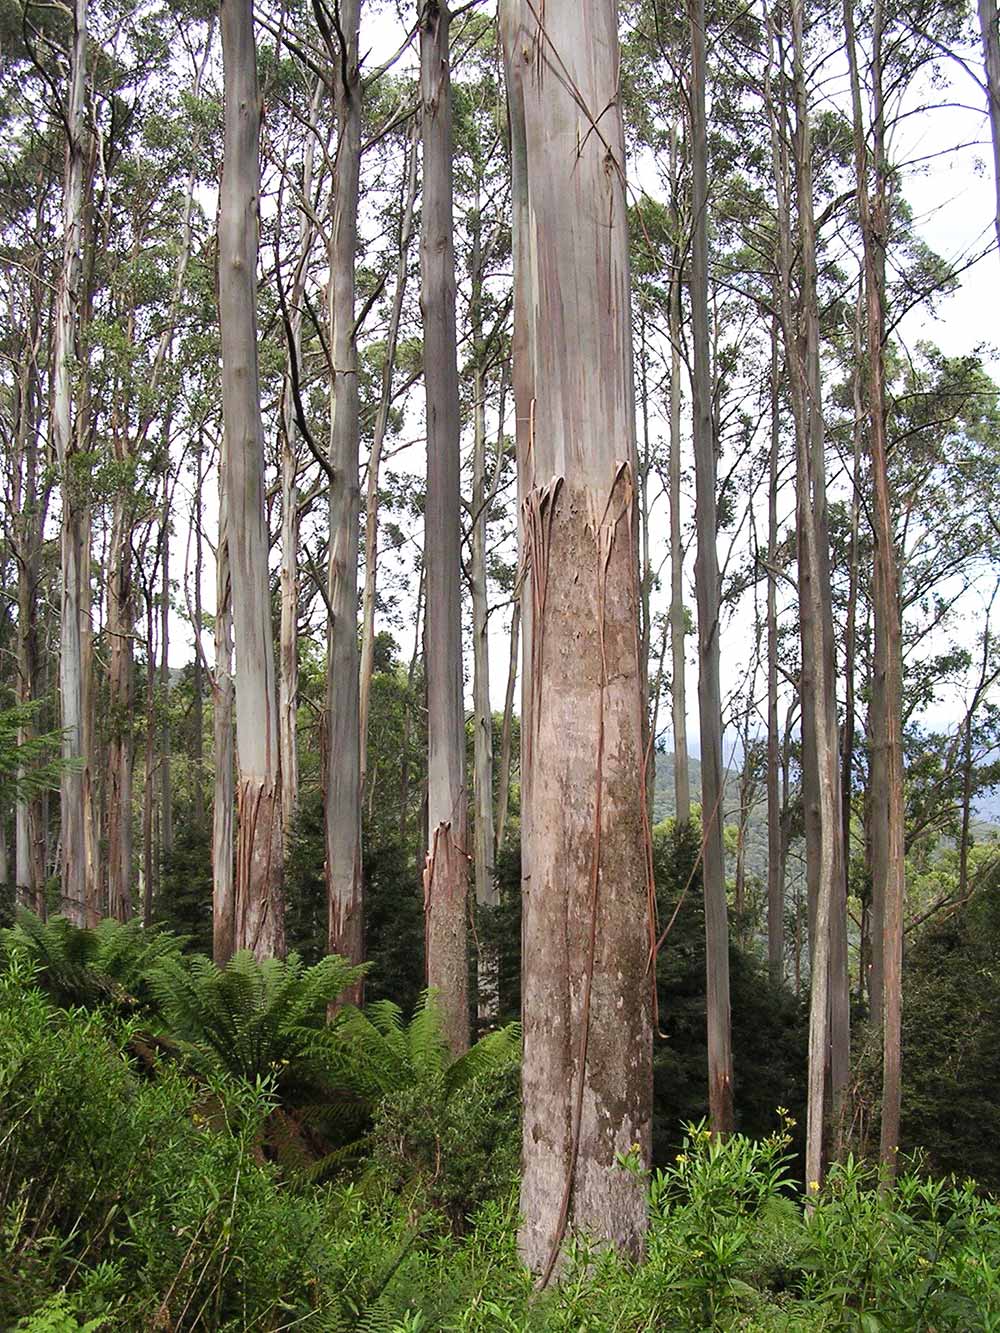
(446, 875)
(587, 992)
(344, 885)
(259, 900)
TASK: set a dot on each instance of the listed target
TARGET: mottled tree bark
(345, 888)
(587, 993)
(446, 868)
(259, 901)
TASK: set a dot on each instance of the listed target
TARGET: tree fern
(253, 1019)
(79, 966)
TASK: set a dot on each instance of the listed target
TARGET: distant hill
(664, 806)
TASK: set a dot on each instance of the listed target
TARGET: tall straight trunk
(587, 995)
(775, 876)
(198, 678)
(889, 869)
(259, 900)
(850, 634)
(121, 617)
(990, 31)
(446, 868)
(223, 877)
(30, 506)
(149, 769)
(678, 685)
(487, 890)
(411, 675)
(375, 458)
(829, 1000)
(345, 888)
(506, 731)
(166, 788)
(288, 675)
(75, 780)
(707, 591)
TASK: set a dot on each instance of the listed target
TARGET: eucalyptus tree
(258, 896)
(77, 887)
(446, 869)
(342, 792)
(587, 999)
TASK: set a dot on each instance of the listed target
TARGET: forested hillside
(422, 426)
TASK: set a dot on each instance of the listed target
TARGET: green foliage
(159, 1212)
(253, 1020)
(28, 766)
(109, 964)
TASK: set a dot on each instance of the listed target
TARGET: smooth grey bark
(708, 596)
(259, 900)
(375, 457)
(889, 868)
(829, 1012)
(74, 605)
(223, 799)
(586, 993)
(345, 888)
(446, 867)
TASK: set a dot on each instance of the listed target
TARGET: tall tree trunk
(198, 678)
(75, 781)
(149, 770)
(345, 888)
(506, 731)
(446, 868)
(288, 686)
(587, 995)
(829, 1036)
(889, 869)
(121, 618)
(678, 685)
(775, 876)
(988, 27)
(706, 574)
(259, 900)
(487, 891)
(223, 877)
(375, 459)
(166, 789)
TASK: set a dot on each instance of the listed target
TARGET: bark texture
(259, 901)
(587, 997)
(446, 873)
(345, 889)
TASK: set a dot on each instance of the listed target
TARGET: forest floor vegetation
(184, 1147)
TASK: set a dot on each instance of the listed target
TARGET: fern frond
(492, 1053)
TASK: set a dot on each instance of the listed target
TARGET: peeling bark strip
(587, 1003)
